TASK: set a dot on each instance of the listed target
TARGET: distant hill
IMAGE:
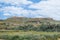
(16, 22)
(21, 20)
(24, 19)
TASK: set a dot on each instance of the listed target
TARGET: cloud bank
(30, 8)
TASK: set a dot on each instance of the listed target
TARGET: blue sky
(30, 8)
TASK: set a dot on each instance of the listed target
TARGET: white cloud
(15, 11)
(16, 2)
(50, 8)
(6, 14)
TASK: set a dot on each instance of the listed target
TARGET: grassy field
(28, 35)
(17, 32)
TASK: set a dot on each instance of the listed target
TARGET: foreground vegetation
(18, 28)
(30, 24)
(29, 35)
(43, 27)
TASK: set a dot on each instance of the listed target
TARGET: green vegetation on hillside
(21, 28)
(30, 24)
